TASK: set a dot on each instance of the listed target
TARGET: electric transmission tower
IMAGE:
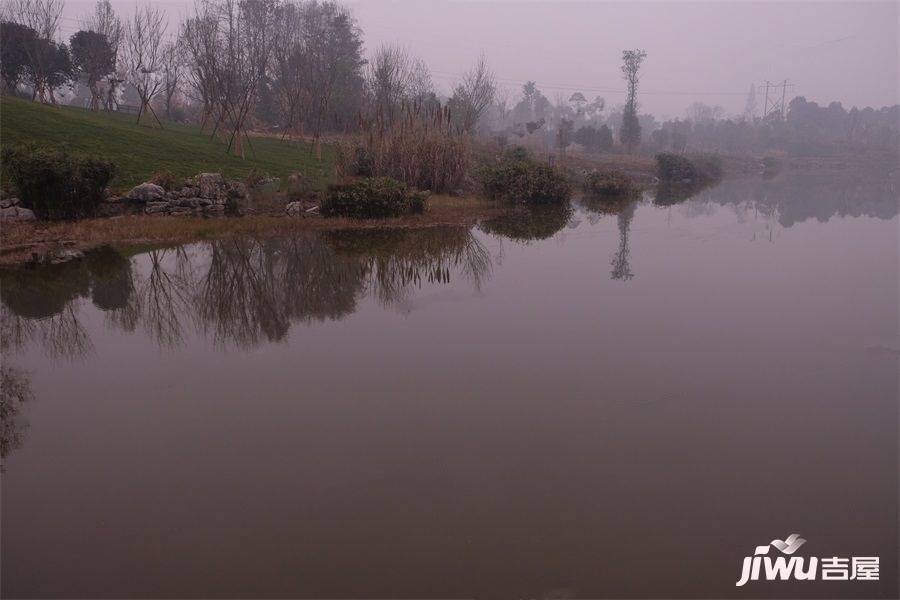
(775, 103)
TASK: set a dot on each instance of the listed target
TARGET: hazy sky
(707, 51)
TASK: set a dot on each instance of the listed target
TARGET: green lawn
(140, 150)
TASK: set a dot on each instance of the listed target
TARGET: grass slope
(140, 150)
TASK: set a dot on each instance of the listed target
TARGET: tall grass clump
(55, 184)
(371, 198)
(420, 147)
(519, 178)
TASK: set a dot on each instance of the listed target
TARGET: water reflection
(792, 198)
(241, 291)
(536, 402)
(529, 224)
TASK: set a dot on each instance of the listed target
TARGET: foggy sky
(697, 51)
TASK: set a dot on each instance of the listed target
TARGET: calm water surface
(605, 402)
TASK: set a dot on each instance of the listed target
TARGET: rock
(181, 210)
(7, 202)
(202, 201)
(65, 256)
(294, 208)
(212, 185)
(16, 213)
(189, 191)
(237, 191)
(214, 208)
(146, 192)
(156, 207)
(187, 202)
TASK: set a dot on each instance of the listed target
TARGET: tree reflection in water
(400, 260)
(624, 208)
(240, 290)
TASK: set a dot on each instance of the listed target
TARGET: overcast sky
(707, 51)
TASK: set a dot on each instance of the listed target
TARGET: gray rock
(16, 213)
(294, 208)
(65, 256)
(189, 191)
(180, 210)
(146, 192)
(156, 207)
(187, 202)
(7, 202)
(212, 185)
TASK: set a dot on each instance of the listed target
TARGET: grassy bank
(20, 241)
(140, 150)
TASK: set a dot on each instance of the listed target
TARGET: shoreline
(35, 241)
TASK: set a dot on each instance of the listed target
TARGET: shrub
(372, 197)
(56, 185)
(699, 169)
(518, 178)
(675, 168)
(609, 183)
(166, 180)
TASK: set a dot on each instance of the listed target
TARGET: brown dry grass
(19, 242)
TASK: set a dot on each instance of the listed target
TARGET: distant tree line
(296, 67)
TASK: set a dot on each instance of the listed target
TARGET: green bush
(609, 183)
(699, 169)
(372, 197)
(57, 185)
(675, 168)
(518, 178)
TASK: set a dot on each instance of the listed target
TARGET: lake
(617, 400)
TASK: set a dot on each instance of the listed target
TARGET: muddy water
(608, 401)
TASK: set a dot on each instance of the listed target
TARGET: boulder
(16, 213)
(146, 192)
(212, 185)
(187, 202)
(7, 202)
(189, 191)
(156, 207)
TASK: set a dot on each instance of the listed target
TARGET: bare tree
(389, 78)
(199, 39)
(144, 55)
(474, 95)
(173, 73)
